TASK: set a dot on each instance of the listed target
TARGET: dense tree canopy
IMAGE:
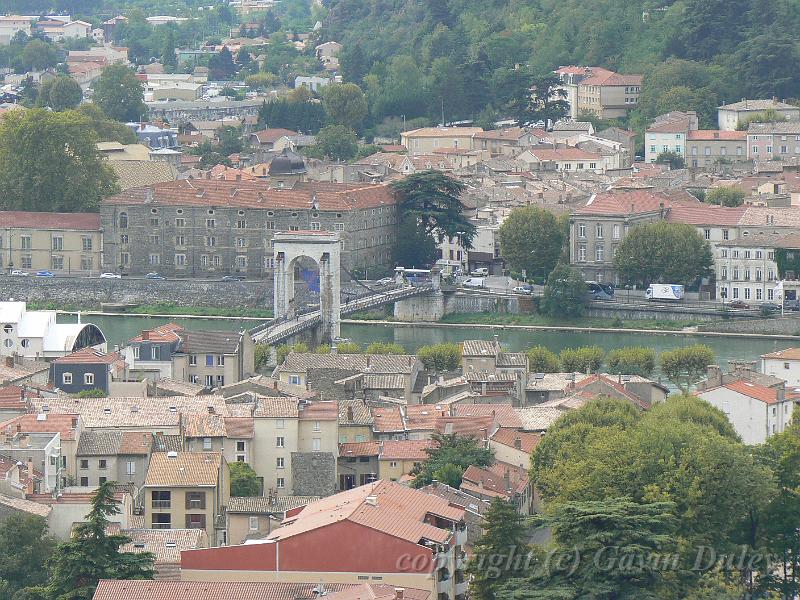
(663, 252)
(244, 480)
(119, 94)
(564, 294)
(532, 239)
(49, 162)
(60, 93)
(449, 457)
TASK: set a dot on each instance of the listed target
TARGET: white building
(11, 25)
(668, 134)
(35, 333)
(745, 269)
(730, 115)
(784, 364)
(755, 411)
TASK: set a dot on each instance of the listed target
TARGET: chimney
(780, 392)
(369, 360)
(29, 488)
(507, 479)
(145, 335)
(713, 376)
(211, 410)
(349, 413)
(10, 362)
(275, 385)
(518, 443)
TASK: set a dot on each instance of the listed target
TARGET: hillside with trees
(415, 57)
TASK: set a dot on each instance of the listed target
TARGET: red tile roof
(53, 423)
(504, 415)
(359, 449)
(492, 479)
(270, 136)
(716, 134)
(679, 125)
(386, 419)
(320, 410)
(405, 450)
(255, 194)
(43, 220)
(127, 589)
(754, 390)
(162, 333)
(508, 436)
(601, 76)
(13, 397)
(89, 355)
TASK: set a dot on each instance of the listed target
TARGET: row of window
(88, 378)
(56, 243)
(782, 150)
(746, 293)
(599, 231)
(599, 253)
(747, 254)
(745, 274)
(56, 262)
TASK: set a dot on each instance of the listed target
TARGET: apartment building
(730, 116)
(211, 227)
(427, 140)
(607, 94)
(187, 490)
(746, 270)
(710, 147)
(669, 133)
(64, 243)
(773, 141)
(113, 455)
(255, 517)
(784, 364)
(382, 531)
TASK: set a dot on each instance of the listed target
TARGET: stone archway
(322, 247)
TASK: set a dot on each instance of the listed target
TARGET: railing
(162, 503)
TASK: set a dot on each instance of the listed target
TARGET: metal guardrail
(274, 332)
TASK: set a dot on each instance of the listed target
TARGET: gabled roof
(163, 333)
(787, 354)
(14, 219)
(212, 342)
(359, 449)
(267, 506)
(507, 436)
(555, 154)
(52, 423)
(357, 409)
(90, 356)
(716, 134)
(443, 132)
(492, 479)
(166, 544)
(404, 450)
(751, 390)
(384, 506)
(373, 363)
(26, 506)
(187, 469)
(270, 136)
(757, 105)
(480, 348)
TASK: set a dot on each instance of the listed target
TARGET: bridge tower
(322, 247)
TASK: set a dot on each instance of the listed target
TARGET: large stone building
(57, 242)
(210, 228)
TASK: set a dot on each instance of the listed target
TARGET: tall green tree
(50, 163)
(39, 55)
(168, 57)
(93, 554)
(412, 246)
(451, 450)
(543, 360)
(663, 252)
(532, 239)
(503, 540)
(433, 199)
(686, 366)
(726, 196)
(632, 360)
(60, 93)
(244, 480)
(564, 294)
(119, 94)
(440, 357)
(336, 142)
(25, 548)
(345, 104)
(586, 359)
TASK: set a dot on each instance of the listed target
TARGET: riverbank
(689, 331)
(163, 310)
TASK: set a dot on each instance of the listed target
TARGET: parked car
(19, 273)
(523, 289)
(44, 274)
(793, 305)
(738, 304)
(154, 276)
(770, 306)
(110, 276)
(482, 272)
(384, 281)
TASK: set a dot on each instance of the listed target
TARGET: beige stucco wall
(41, 250)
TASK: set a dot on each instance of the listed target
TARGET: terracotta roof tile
(187, 469)
(166, 544)
(118, 589)
(359, 449)
(405, 450)
(387, 419)
(239, 427)
(53, 423)
(44, 220)
(267, 506)
(716, 134)
(508, 437)
(319, 410)
(787, 354)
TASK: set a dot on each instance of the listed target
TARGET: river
(119, 329)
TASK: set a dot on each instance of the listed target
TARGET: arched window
(123, 220)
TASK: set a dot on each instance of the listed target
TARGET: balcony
(161, 504)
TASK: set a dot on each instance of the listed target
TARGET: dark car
(791, 305)
(770, 307)
(230, 278)
(154, 276)
(738, 304)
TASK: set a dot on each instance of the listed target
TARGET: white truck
(475, 282)
(664, 291)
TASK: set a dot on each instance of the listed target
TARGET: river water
(119, 329)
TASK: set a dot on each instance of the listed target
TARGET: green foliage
(503, 536)
(283, 350)
(532, 238)
(663, 252)
(93, 393)
(335, 142)
(261, 356)
(768, 116)
(302, 116)
(261, 81)
(451, 449)
(543, 360)
(25, 548)
(413, 247)
(322, 349)
(60, 93)
(93, 554)
(384, 348)
(348, 348)
(244, 480)
(673, 454)
(43, 173)
(632, 360)
(440, 357)
(687, 365)
(564, 294)
(673, 159)
(106, 130)
(345, 104)
(433, 200)
(119, 94)
(731, 195)
(39, 55)
(229, 140)
(586, 359)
